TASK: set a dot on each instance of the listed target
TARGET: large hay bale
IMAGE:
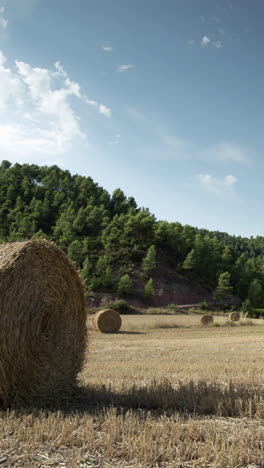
(42, 321)
(234, 316)
(107, 321)
(207, 319)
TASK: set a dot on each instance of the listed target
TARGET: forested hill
(118, 245)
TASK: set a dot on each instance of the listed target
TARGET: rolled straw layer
(42, 321)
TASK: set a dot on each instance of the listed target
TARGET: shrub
(172, 307)
(196, 310)
(256, 313)
(203, 305)
(125, 286)
(120, 306)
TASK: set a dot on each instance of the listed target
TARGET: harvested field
(153, 395)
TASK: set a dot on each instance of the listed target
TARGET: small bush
(172, 307)
(204, 305)
(196, 310)
(256, 313)
(120, 306)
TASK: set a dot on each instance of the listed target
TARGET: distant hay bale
(42, 321)
(234, 316)
(107, 321)
(206, 319)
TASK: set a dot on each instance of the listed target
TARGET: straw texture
(207, 319)
(234, 316)
(107, 321)
(42, 321)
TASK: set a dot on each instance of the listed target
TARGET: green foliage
(107, 235)
(256, 293)
(120, 306)
(246, 306)
(149, 262)
(203, 305)
(149, 290)
(172, 307)
(224, 289)
(125, 286)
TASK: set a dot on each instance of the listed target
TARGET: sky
(161, 98)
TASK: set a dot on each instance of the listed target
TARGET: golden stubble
(164, 391)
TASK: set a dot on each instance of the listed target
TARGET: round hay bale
(42, 321)
(207, 319)
(107, 321)
(234, 316)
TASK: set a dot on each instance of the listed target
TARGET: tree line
(114, 242)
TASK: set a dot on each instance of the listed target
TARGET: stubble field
(163, 392)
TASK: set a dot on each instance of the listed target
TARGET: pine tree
(149, 290)
(125, 286)
(256, 293)
(224, 289)
(149, 262)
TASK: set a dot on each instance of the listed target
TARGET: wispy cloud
(115, 139)
(107, 48)
(174, 146)
(216, 185)
(101, 108)
(3, 20)
(205, 41)
(39, 116)
(123, 68)
(105, 110)
(229, 152)
(217, 44)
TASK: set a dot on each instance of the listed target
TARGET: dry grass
(234, 316)
(42, 321)
(153, 397)
(207, 319)
(107, 321)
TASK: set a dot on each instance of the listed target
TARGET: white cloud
(107, 48)
(229, 152)
(105, 110)
(11, 88)
(122, 68)
(3, 20)
(39, 116)
(115, 139)
(101, 108)
(205, 41)
(218, 186)
(230, 180)
(217, 44)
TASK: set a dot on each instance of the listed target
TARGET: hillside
(121, 249)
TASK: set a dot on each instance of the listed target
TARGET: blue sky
(162, 98)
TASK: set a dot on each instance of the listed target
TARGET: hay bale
(42, 321)
(107, 321)
(234, 316)
(207, 319)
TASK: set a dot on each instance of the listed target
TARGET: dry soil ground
(164, 392)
